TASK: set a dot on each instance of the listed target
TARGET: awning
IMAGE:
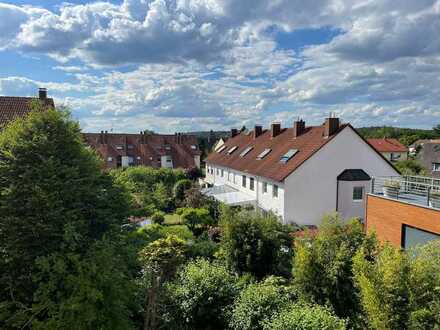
(228, 195)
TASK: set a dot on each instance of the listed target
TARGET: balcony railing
(411, 189)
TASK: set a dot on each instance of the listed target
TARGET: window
(221, 149)
(243, 180)
(395, 156)
(264, 153)
(230, 151)
(109, 159)
(436, 167)
(246, 151)
(120, 147)
(130, 146)
(217, 171)
(289, 154)
(138, 157)
(264, 187)
(358, 193)
(412, 236)
(223, 173)
(193, 147)
(167, 147)
(251, 183)
(233, 178)
(275, 191)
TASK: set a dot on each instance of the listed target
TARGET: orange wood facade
(386, 217)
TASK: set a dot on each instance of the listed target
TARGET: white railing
(413, 189)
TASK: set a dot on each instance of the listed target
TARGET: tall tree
(53, 198)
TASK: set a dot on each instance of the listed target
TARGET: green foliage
(158, 217)
(201, 296)
(203, 247)
(303, 317)
(410, 167)
(196, 219)
(153, 232)
(53, 198)
(179, 190)
(259, 245)
(400, 290)
(258, 302)
(322, 268)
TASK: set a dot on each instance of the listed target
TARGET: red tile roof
(387, 145)
(270, 167)
(149, 147)
(13, 107)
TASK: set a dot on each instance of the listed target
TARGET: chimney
(42, 93)
(106, 137)
(234, 132)
(142, 137)
(258, 130)
(101, 137)
(331, 125)
(299, 127)
(275, 129)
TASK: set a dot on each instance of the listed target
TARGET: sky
(189, 65)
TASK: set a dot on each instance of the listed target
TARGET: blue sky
(182, 65)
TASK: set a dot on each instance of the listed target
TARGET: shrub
(259, 245)
(257, 303)
(201, 296)
(179, 189)
(158, 217)
(300, 317)
(196, 219)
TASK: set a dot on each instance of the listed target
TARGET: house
(391, 149)
(146, 149)
(404, 211)
(428, 153)
(299, 173)
(13, 107)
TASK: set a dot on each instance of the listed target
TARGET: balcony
(417, 190)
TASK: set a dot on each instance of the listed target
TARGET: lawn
(173, 219)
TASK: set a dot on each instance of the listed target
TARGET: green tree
(436, 130)
(303, 317)
(53, 198)
(252, 243)
(160, 260)
(179, 190)
(158, 217)
(202, 296)
(322, 267)
(161, 197)
(259, 302)
(410, 167)
(196, 219)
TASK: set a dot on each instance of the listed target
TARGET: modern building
(13, 107)
(299, 173)
(404, 210)
(391, 149)
(147, 149)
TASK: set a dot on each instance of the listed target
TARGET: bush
(201, 296)
(179, 189)
(257, 303)
(259, 245)
(196, 219)
(158, 217)
(203, 247)
(299, 317)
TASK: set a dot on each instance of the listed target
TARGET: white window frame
(353, 194)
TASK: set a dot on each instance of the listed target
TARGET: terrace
(416, 190)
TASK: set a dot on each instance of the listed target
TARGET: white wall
(197, 161)
(265, 201)
(310, 191)
(165, 163)
(347, 207)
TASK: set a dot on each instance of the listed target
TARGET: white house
(299, 173)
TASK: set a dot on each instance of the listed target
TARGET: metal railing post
(372, 186)
(428, 196)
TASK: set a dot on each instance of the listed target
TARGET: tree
(202, 295)
(259, 302)
(158, 217)
(400, 290)
(53, 199)
(161, 197)
(179, 190)
(303, 317)
(322, 268)
(159, 260)
(410, 167)
(436, 130)
(196, 219)
(252, 243)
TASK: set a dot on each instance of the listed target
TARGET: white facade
(311, 190)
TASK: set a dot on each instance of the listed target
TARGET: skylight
(246, 151)
(221, 149)
(264, 153)
(230, 151)
(289, 154)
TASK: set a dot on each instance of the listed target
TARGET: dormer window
(246, 151)
(264, 153)
(221, 149)
(230, 151)
(193, 147)
(167, 147)
(289, 154)
(120, 147)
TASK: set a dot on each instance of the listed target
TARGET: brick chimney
(299, 127)
(106, 137)
(234, 132)
(42, 93)
(275, 129)
(258, 130)
(142, 137)
(101, 137)
(331, 126)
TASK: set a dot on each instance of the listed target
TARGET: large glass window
(412, 236)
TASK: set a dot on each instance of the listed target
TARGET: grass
(173, 219)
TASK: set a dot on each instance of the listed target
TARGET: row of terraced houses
(298, 172)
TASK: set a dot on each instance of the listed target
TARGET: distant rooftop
(387, 145)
